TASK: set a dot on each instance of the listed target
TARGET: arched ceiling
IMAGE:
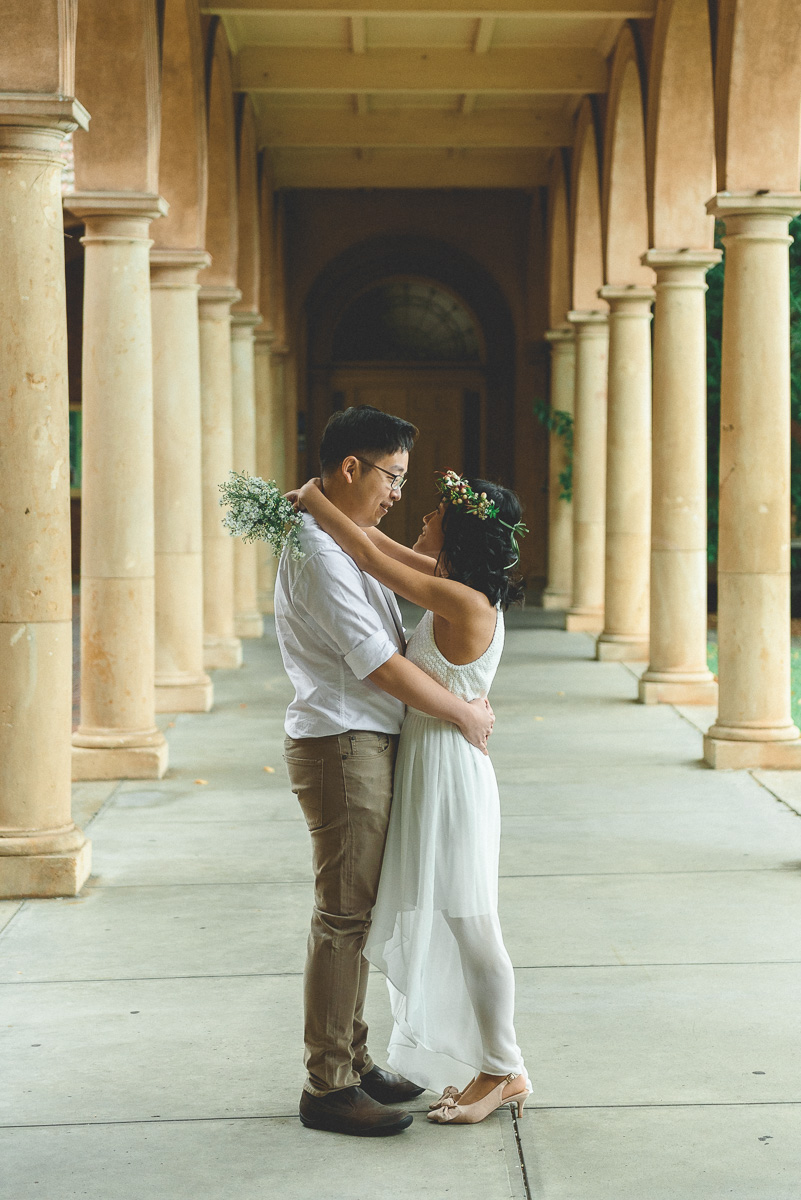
(419, 93)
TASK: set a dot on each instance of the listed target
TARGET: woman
(435, 932)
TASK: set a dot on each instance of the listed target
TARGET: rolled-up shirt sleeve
(330, 595)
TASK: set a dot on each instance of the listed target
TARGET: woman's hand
(308, 489)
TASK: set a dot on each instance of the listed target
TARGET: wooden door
(436, 410)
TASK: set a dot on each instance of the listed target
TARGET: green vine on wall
(561, 423)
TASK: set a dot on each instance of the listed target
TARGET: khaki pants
(344, 785)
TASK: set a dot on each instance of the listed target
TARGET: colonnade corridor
(152, 1027)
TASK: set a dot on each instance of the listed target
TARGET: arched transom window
(406, 320)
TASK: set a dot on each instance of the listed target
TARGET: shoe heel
(520, 1102)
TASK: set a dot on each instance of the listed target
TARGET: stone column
(222, 648)
(589, 471)
(263, 388)
(559, 591)
(248, 622)
(628, 476)
(42, 852)
(117, 736)
(754, 727)
(181, 683)
(677, 671)
(279, 434)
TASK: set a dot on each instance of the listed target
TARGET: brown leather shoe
(352, 1111)
(387, 1088)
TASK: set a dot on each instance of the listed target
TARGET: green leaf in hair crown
(457, 491)
(259, 512)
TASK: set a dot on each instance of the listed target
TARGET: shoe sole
(376, 1131)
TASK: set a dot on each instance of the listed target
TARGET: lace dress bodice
(467, 681)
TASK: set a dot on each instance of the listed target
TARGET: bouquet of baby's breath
(258, 512)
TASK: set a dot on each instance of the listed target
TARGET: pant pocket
(306, 781)
(366, 745)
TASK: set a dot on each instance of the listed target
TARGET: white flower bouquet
(258, 512)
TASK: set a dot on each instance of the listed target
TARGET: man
(342, 643)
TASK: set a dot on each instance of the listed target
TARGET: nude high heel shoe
(451, 1112)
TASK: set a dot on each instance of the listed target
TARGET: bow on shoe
(450, 1093)
(447, 1110)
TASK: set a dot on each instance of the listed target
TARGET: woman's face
(431, 539)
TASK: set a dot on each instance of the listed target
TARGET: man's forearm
(406, 682)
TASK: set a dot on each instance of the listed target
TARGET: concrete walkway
(151, 1029)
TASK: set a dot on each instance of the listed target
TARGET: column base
(195, 693)
(249, 625)
(557, 600)
(266, 603)
(119, 762)
(222, 653)
(738, 754)
(615, 647)
(43, 876)
(584, 620)
(700, 688)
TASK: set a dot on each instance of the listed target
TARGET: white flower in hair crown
(259, 512)
(457, 491)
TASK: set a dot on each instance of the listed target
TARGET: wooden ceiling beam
(580, 9)
(539, 69)
(504, 128)
(378, 169)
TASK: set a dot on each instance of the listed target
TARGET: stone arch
(680, 153)
(117, 80)
(758, 96)
(624, 193)
(401, 255)
(558, 272)
(183, 160)
(222, 214)
(585, 218)
(248, 275)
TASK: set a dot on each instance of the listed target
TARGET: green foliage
(561, 423)
(714, 327)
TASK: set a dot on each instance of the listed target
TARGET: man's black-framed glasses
(397, 480)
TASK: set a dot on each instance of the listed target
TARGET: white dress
(435, 932)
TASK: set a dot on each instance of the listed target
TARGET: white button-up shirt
(335, 626)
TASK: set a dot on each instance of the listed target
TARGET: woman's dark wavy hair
(479, 553)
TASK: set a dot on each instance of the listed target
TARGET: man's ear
(348, 468)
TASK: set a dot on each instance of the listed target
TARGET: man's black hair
(363, 430)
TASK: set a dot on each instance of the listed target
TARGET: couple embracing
(386, 749)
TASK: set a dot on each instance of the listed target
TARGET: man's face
(373, 492)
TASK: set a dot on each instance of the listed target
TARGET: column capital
(263, 338)
(28, 118)
(754, 204)
(131, 206)
(559, 336)
(196, 259)
(684, 259)
(176, 268)
(632, 295)
(589, 323)
(243, 323)
(216, 302)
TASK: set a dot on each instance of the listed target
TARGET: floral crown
(457, 491)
